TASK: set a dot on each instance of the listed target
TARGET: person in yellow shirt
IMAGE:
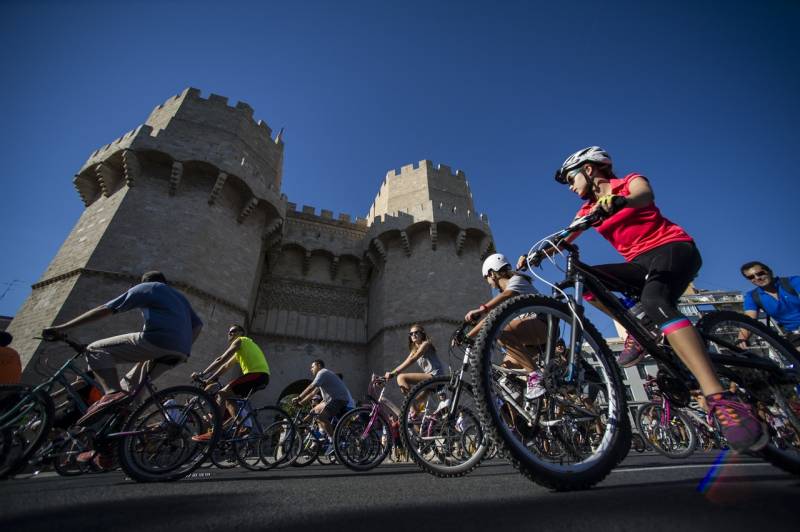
(10, 365)
(255, 371)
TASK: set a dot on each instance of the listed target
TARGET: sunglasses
(232, 332)
(757, 274)
(414, 333)
(570, 178)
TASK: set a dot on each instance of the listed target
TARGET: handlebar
(560, 238)
(55, 336)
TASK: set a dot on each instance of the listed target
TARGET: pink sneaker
(632, 353)
(740, 426)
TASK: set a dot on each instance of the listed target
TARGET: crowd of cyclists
(536, 369)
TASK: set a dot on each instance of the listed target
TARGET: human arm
(306, 394)
(484, 309)
(222, 363)
(640, 194)
(744, 334)
(410, 359)
(95, 314)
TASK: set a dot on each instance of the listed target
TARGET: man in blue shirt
(778, 297)
(170, 328)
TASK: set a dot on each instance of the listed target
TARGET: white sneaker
(535, 388)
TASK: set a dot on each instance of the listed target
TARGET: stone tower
(194, 192)
(425, 244)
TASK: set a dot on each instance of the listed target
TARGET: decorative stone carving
(460, 239)
(175, 176)
(220, 182)
(406, 243)
(380, 247)
(130, 167)
(314, 298)
(247, 210)
(106, 178)
(334, 267)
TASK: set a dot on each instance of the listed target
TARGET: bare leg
(689, 347)
(108, 379)
(406, 381)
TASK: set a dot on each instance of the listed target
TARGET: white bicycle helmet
(494, 262)
(592, 154)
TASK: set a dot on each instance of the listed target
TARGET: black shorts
(661, 275)
(249, 383)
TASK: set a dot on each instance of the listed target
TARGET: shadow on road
(734, 503)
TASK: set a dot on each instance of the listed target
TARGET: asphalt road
(646, 493)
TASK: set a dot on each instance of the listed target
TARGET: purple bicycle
(362, 439)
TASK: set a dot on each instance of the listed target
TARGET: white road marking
(690, 466)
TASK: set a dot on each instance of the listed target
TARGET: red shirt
(635, 231)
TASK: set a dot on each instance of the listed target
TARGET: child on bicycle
(522, 336)
(255, 372)
(662, 260)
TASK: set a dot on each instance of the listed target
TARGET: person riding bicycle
(255, 372)
(170, 328)
(336, 397)
(776, 296)
(423, 352)
(662, 260)
(521, 336)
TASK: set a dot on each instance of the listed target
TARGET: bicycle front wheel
(441, 443)
(162, 434)
(564, 435)
(360, 441)
(25, 421)
(674, 437)
(773, 394)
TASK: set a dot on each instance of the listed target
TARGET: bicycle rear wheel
(359, 445)
(277, 435)
(441, 444)
(673, 438)
(160, 446)
(25, 421)
(561, 439)
(773, 394)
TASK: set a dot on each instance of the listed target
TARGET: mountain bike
(258, 439)
(151, 441)
(766, 371)
(439, 421)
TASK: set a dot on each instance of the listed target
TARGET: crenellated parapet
(226, 136)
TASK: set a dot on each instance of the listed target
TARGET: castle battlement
(325, 215)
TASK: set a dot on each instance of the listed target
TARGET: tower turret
(425, 242)
(194, 192)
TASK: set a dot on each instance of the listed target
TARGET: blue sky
(702, 97)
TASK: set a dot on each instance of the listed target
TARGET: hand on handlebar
(52, 334)
(611, 204)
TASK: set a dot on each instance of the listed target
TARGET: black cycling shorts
(249, 383)
(661, 274)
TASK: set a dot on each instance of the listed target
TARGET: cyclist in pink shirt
(661, 259)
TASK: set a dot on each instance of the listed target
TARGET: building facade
(195, 192)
